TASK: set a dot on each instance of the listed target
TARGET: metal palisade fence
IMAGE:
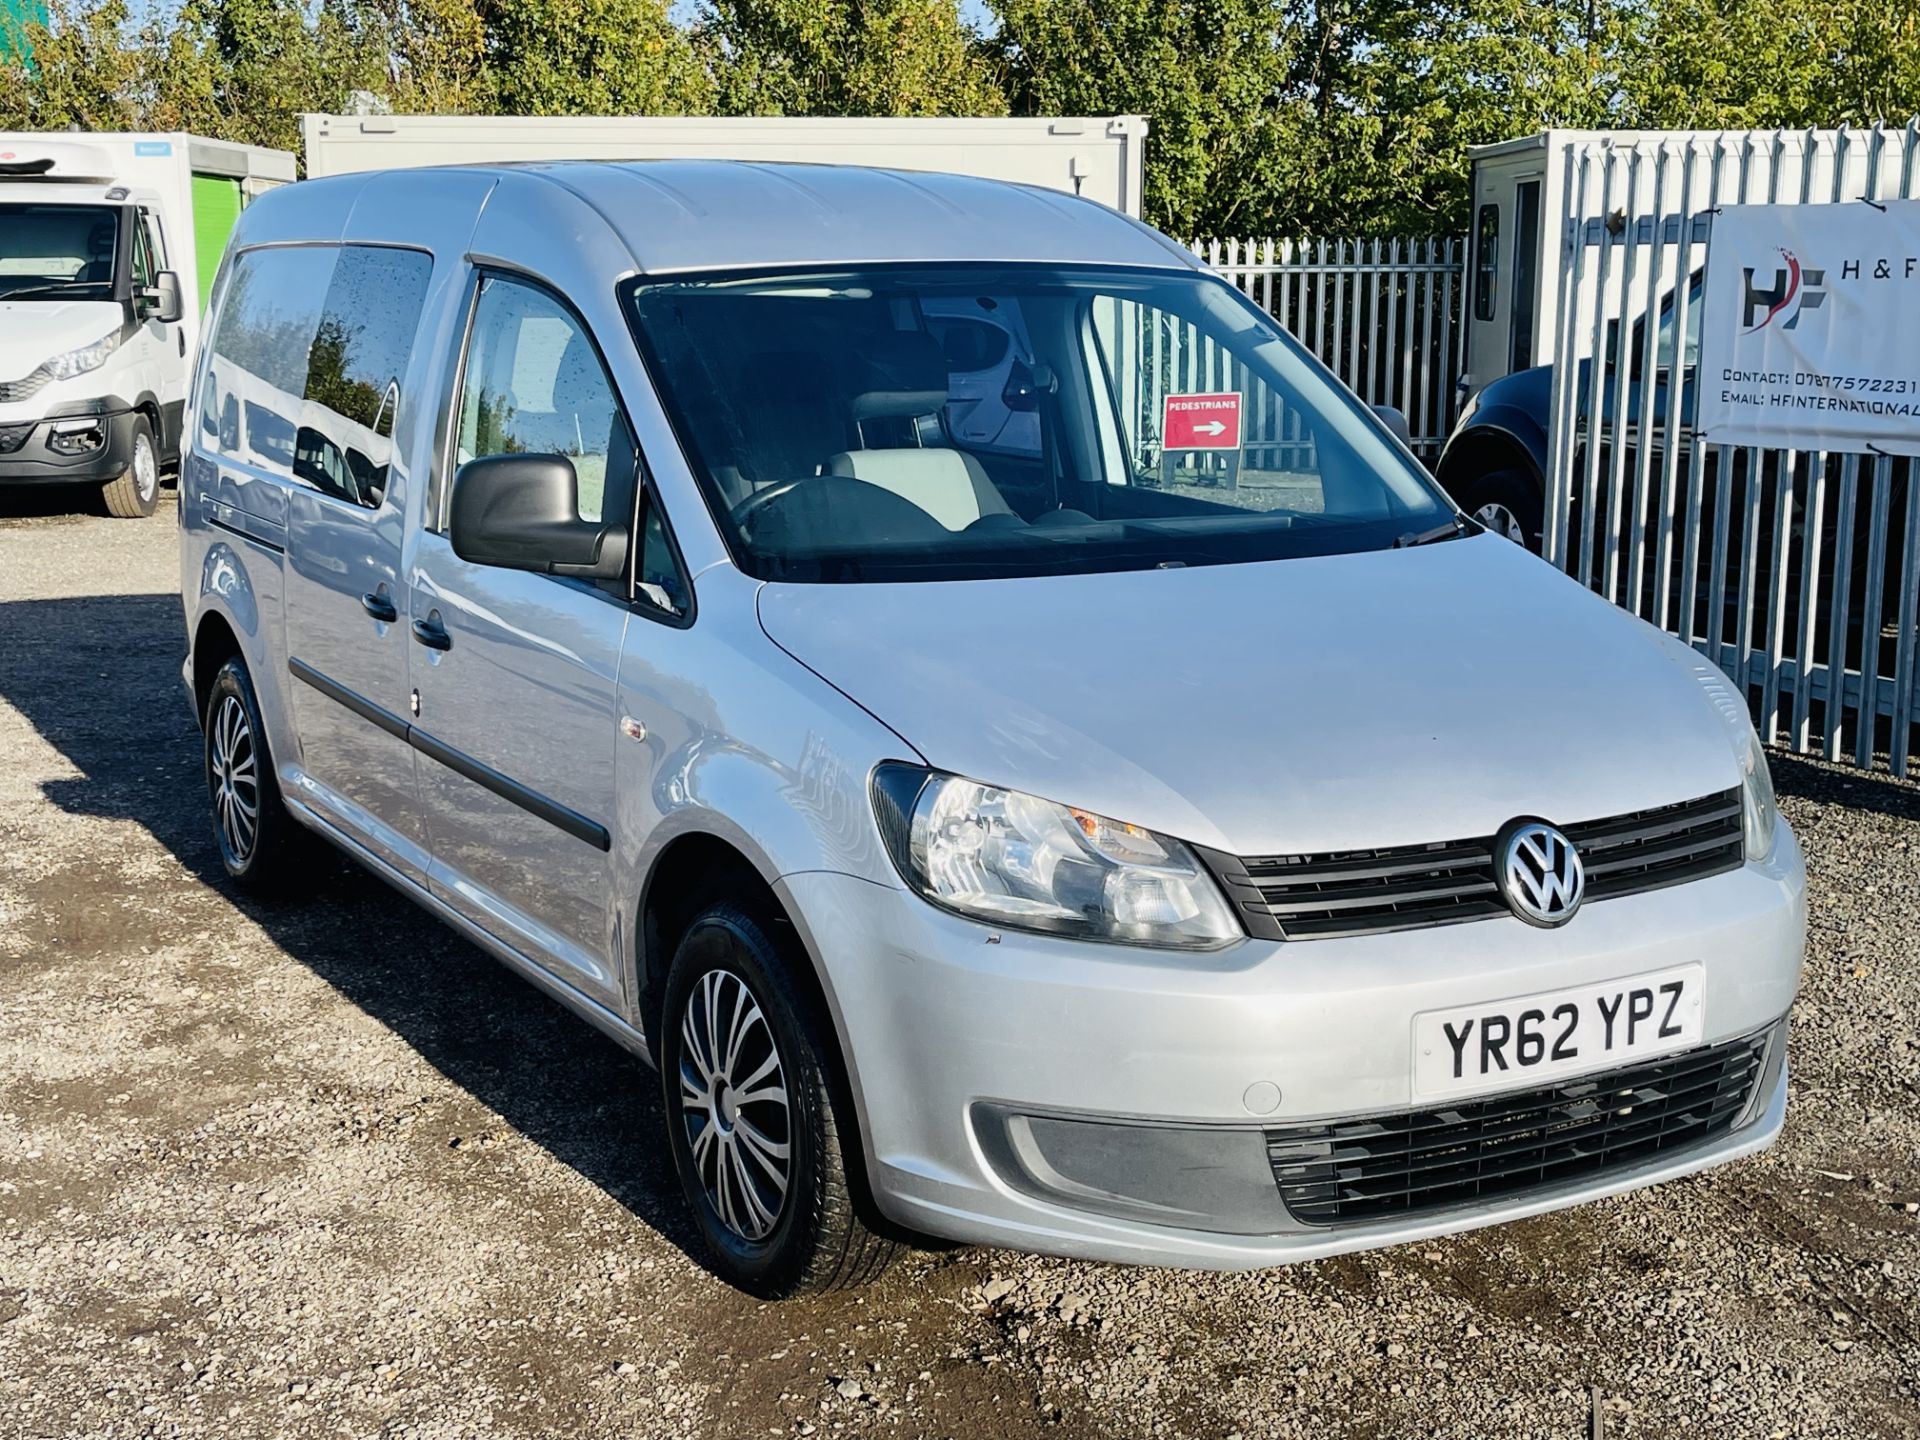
(1793, 570)
(1382, 314)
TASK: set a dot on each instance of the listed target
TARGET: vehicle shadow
(40, 502)
(99, 678)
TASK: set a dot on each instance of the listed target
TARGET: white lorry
(1101, 157)
(108, 247)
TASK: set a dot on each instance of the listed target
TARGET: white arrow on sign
(1212, 427)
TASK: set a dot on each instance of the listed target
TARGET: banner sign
(1810, 334)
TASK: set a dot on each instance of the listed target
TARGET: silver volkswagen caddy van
(1028, 757)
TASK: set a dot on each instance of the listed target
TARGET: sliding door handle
(379, 607)
(432, 634)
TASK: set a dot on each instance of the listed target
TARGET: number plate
(1539, 1038)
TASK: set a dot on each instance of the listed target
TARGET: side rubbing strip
(359, 704)
(485, 776)
(507, 788)
(274, 546)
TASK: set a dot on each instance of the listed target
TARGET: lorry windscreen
(57, 251)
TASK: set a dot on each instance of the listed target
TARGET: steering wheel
(875, 506)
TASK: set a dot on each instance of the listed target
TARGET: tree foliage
(854, 57)
(1267, 116)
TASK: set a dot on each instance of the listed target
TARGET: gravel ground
(324, 1169)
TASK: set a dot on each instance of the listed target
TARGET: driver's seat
(948, 484)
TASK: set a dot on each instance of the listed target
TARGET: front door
(516, 672)
(159, 347)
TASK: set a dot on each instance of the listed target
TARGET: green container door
(216, 210)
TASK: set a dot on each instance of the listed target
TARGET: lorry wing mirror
(522, 512)
(161, 300)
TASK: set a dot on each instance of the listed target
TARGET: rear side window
(361, 345)
(253, 392)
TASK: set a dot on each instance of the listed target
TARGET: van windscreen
(61, 252)
(950, 422)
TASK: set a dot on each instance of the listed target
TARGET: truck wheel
(259, 842)
(137, 491)
(1507, 502)
(755, 1133)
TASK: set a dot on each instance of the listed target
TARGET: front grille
(12, 437)
(1410, 887)
(1414, 1162)
(26, 387)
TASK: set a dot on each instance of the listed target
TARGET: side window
(1486, 261)
(1526, 262)
(1663, 338)
(658, 579)
(156, 240)
(534, 384)
(251, 397)
(361, 344)
(145, 266)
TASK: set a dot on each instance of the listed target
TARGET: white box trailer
(108, 248)
(1100, 158)
(1519, 263)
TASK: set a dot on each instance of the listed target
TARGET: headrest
(903, 375)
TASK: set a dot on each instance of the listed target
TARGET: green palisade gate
(216, 210)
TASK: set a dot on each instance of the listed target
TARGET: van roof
(690, 215)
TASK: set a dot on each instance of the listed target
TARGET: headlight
(1758, 810)
(1759, 815)
(87, 357)
(1030, 864)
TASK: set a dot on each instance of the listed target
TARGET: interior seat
(906, 380)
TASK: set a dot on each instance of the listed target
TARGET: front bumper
(30, 452)
(947, 1023)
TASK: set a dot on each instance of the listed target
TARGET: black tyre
(1507, 502)
(259, 842)
(137, 491)
(748, 1085)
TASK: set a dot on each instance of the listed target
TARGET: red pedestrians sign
(1201, 422)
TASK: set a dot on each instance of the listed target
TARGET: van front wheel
(755, 1132)
(134, 495)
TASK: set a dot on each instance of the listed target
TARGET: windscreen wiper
(1448, 531)
(54, 288)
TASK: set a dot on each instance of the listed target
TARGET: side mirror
(522, 512)
(1021, 393)
(161, 300)
(1395, 419)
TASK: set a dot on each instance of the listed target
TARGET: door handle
(432, 634)
(379, 607)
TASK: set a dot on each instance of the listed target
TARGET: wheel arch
(692, 870)
(214, 643)
(1497, 442)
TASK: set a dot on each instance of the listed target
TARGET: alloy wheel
(235, 778)
(1501, 521)
(733, 1102)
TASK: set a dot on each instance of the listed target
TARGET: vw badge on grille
(1540, 874)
